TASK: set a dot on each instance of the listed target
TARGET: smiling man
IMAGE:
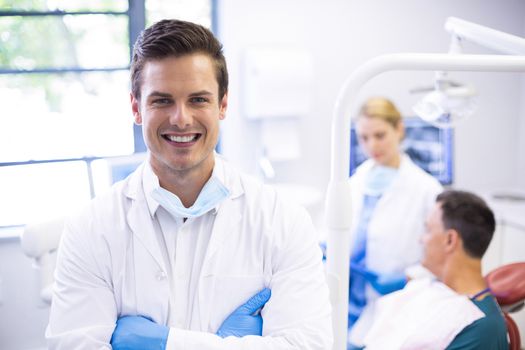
(187, 253)
(179, 107)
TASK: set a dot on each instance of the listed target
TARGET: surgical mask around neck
(379, 179)
(210, 196)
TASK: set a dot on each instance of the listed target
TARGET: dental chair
(40, 242)
(507, 284)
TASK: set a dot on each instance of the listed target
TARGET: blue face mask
(211, 195)
(378, 179)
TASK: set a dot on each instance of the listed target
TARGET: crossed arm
(140, 333)
(84, 310)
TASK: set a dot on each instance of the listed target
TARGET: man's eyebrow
(201, 93)
(159, 94)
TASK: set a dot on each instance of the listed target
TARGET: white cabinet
(507, 246)
(513, 250)
(492, 257)
(513, 244)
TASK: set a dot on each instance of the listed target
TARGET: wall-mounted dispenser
(277, 87)
(277, 82)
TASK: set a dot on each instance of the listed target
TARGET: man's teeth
(182, 138)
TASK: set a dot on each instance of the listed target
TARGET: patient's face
(434, 242)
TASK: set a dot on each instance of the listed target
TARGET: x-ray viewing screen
(431, 148)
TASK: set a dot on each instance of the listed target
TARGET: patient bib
(426, 314)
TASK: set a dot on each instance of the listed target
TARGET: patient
(454, 310)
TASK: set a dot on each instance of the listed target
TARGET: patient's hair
(471, 217)
(175, 38)
(382, 108)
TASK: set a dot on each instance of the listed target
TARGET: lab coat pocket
(230, 292)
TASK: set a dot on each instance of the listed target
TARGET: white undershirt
(183, 245)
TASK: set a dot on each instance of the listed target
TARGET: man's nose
(180, 116)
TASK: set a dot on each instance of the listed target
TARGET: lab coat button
(161, 275)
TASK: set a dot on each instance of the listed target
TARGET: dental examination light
(447, 105)
(449, 102)
(338, 202)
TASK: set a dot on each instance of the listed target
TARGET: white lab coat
(109, 264)
(398, 221)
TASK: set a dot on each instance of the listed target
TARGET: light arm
(485, 36)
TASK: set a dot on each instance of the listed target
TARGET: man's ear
(223, 105)
(453, 240)
(135, 108)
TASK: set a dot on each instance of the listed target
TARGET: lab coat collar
(405, 163)
(150, 181)
(139, 219)
(228, 211)
(405, 166)
(228, 176)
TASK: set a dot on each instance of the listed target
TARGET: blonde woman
(391, 198)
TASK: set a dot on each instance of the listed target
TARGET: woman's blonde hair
(382, 108)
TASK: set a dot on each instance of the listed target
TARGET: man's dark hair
(471, 217)
(175, 38)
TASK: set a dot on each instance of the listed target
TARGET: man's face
(179, 110)
(380, 140)
(435, 242)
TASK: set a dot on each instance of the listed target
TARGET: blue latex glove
(363, 271)
(139, 333)
(246, 320)
(388, 283)
(322, 245)
(382, 283)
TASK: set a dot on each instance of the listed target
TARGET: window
(64, 92)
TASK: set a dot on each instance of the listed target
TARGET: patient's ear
(453, 240)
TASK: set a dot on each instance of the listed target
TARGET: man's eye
(161, 101)
(199, 100)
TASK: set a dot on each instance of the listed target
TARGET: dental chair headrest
(41, 238)
(507, 283)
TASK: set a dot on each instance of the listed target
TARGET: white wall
(521, 150)
(343, 34)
